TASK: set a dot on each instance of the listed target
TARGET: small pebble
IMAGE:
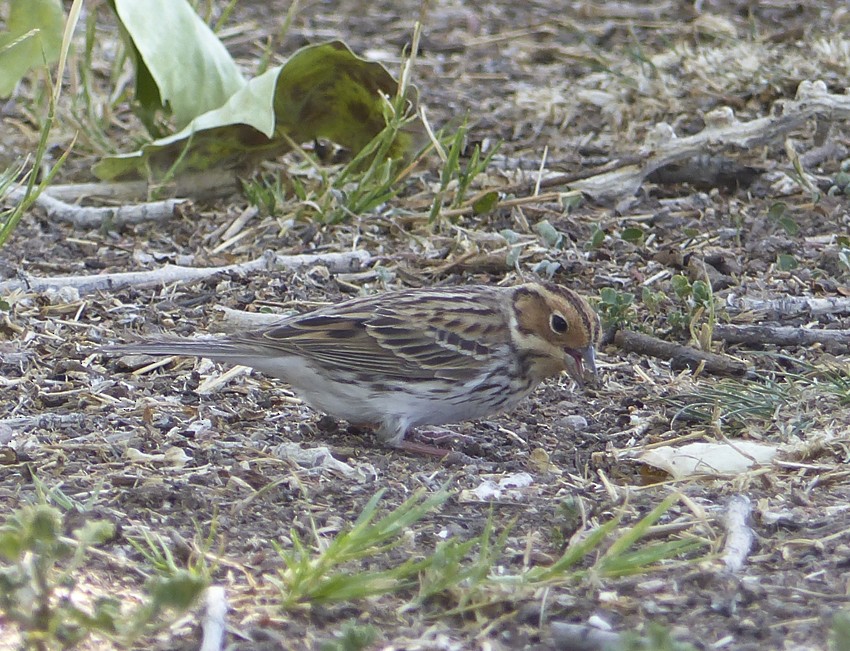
(575, 423)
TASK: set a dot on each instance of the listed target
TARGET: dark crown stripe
(581, 307)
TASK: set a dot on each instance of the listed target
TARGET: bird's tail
(217, 349)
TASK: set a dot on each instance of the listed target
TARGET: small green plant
(31, 189)
(633, 234)
(698, 299)
(841, 182)
(41, 569)
(352, 637)
(786, 262)
(779, 398)
(844, 252)
(171, 589)
(371, 178)
(734, 403)
(622, 557)
(616, 309)
(566, 520)
(550, 235)
(324, 577)
(448, 573)
(656, 638)
(475, 586)
(834, 380)
(839, 634)
(653, 301)
(267, 192)
(459, 574)
(778, 212)
(454, 177)
(93, 111)
(597, 238)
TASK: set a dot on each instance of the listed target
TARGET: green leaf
(632, 234)
(609, 296)
(513, 255)
(11, 544)
(32, 38)
(786, 262)
(178, 591)
(546, 268)
(776, 210)
(485, 203)
(512, 237)
(839, 636)
(597, 238)
(106, 615)
(574, 553)
(681, 286)
(549, 234)
(701, 292)
(44, 523)
(323, 91)
(95, 532)
(180, 63)
(789, 226)
(352, 637)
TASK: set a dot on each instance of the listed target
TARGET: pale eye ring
(558, 324)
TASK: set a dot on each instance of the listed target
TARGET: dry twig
(335, 262)
(680, 356)
(739, 535)
(837, 340)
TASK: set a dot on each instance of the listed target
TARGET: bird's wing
(410, 340)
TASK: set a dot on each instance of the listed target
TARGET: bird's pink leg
(414, 447)
(438, 435)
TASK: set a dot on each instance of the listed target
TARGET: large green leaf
(180, 63)
(323, 91)
(33, 37)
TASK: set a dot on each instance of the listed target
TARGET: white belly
(393, 406)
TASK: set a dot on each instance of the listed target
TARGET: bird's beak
(581, 364)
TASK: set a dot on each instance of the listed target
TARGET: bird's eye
(559, 324)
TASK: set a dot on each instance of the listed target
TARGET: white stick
(335, 262)
(92, 216)
(215, 619)
(790, 305)
(739, 536)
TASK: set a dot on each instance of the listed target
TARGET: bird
(410, 358)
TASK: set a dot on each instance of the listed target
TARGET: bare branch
(335, 262)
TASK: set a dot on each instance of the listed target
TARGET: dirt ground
(585, 82)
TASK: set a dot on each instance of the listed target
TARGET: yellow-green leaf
(485, 203)
(32, 38)
(323, 91)
(180, 63)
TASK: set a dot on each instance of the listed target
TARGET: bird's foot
(429, 444)
(435, 436)
(416, 447)
(438, 435)
(449, 457)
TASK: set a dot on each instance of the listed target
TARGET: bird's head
(557, 329)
